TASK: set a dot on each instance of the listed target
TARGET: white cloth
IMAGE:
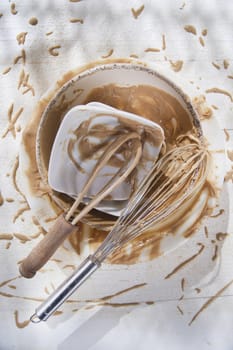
(109, 27)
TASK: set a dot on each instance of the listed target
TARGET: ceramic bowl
(75, 92)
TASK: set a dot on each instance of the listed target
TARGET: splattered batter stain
(217, 66)
(54, 50)
(225, 64)
(20, 57)
(163, 42)
(215, 255)
(220, 236)
(69, 266)
(6, 70)
(230, 155)
(20, 212)
(206, 231)
(219, 91)
(110, 52)
(137, 13)
(76, 20)
(182, 284)
(7, 237)
(176, 65)
(24, 83)
(229, 175)
(152, 49)
(33, 21)
(20, 324)
(12, 119)
(201, 40)
(210, 301)
(204, 32)
(133, 55)
(227, 134)
(1, 199)
(190, 29)
(21, 37)
(180, 310)
(221, 211)
(21, 237)
(13, 9)
(4, 283)
(180, 266)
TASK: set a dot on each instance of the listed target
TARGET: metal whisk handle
(57, 298)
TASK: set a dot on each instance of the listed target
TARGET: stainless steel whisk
(176, 178)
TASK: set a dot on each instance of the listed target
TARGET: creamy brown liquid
(143, 100)
(148, 102)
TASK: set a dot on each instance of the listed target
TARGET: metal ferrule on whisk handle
(73, 282)
(68, 287)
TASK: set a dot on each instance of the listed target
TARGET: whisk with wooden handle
(176, 178)
(66, 224)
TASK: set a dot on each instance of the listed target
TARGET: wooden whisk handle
(46, 247)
